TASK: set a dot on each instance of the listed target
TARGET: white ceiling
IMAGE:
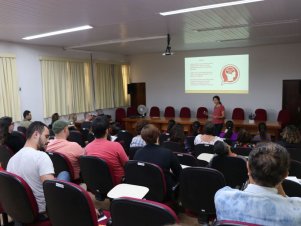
(260, 23)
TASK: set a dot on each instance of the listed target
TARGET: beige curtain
(103, 86)
(80, 87)
(67, 86)
(9, 91)
(125, 71)
(119, 94)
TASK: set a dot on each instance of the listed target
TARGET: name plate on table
(128, 190)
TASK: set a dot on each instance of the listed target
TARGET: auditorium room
(150, 113)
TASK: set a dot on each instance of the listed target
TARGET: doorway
(291, 100)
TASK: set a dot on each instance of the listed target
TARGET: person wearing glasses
(14, 141)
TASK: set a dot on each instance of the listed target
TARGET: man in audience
(137, 141)
(27, 119)
(111, 152)
(72, 150)
(33, 165)
(158, 155)
(263, 202)
(86, 125)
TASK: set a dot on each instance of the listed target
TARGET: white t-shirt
(199, 140)
(30, 164)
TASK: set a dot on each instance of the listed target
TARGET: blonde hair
(291, 134)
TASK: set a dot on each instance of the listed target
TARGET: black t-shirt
(162, 157)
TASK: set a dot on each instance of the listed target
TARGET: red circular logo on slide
(230, 74)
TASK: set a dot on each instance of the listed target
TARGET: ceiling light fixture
(85, 27)
(116, 41)
(213, 6)
(168, 48)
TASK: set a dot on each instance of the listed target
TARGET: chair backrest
(138, 212)
(133, 151)
(284, 117)
(173, 146)
(242, 151)
(96, 175)
(148, 175)
(295, 153)
(200, 113)
(169, 112)
(190, 143)
(234, 170)
(295, 169)
(131, 111)
(22, 129)
(61, 163)
(185, 112)
(125, 138)
(68, 204)
(291, 188)
(76, 136)
(85, 133)
(260, 115)
(198, 186)
(238, 114)
(186, 159)
(154, 112)
(202, 148)
(5, 155)
(86, 125)
(17, 199)
(120, 114)
(163, 137)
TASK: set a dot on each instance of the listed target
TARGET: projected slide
(217, 74)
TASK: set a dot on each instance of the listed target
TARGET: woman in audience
(166, 135)
(244, 139)
(137, 141)
(262, 135)
(14, 141)
(54, 117)
(177, 135)
(195, 128)
(208, 137)
(290, 137)
(222, 149)
(229, 135)
(153, 153)
(114, 130)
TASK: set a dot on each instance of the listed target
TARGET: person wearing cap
(60, 144)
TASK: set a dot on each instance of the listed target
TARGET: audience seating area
(68, 203)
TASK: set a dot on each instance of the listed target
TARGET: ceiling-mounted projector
(168, 48)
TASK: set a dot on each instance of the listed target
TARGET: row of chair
(185, 112)
(195, 195)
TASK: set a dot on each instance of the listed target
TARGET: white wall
(269, 65)
(29, 72)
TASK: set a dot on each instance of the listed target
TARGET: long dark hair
(177, 134)
(262, 128)
(5, 122)
(217, 97)
(195, 127)
(229, 127)
(54, 117)
(170, 124)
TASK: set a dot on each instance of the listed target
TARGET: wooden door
(291, 99)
